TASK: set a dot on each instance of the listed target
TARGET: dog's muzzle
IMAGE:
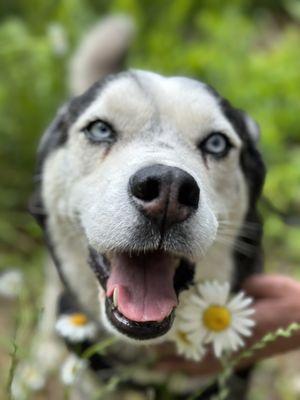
(141, 286)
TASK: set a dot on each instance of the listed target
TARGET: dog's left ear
(252, 127)
(55, 135)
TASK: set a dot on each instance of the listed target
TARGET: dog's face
(147, 169)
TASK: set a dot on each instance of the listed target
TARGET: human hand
(277, 305)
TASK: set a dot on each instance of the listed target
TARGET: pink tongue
(145, 285)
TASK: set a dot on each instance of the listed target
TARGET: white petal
(234, 340)
(72, 369)
(246, 322)
(209, 337)
(239, 302)
(244, 331)
(198, 301)
(245, 302)
(197, 337)
(207, 291)
(235, 301)
(188, 327)
(245, 313)
(218, 348)
(223, 293)
(185, 315)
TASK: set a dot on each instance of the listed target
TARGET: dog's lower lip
(137, 330)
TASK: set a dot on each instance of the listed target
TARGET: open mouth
(141, 289)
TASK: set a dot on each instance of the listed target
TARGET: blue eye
(216, 144)
(99, 131)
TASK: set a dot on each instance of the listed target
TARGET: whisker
(231, 220)
(246, 249)
(236, 233)
(241, 224)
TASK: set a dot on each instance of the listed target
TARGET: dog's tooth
(115, 296)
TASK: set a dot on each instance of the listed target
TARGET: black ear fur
(254, 170)
(251, 160)
(54, 136)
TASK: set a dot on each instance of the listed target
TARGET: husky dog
(146, 184)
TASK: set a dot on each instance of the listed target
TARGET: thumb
(266, 286)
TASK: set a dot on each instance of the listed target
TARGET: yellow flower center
(216, 318)
(79, 319)
(183, 337)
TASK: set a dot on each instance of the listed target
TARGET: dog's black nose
(164, 194)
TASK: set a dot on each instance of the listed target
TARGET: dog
(145, 184)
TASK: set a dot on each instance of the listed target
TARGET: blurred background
(249, 50)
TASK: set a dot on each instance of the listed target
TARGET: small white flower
(27, 378)
(11, 282)
(208, 315)
(72, 369)
(76, 327)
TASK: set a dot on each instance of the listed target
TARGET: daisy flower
(223, 319)
(28, 378)
(188, 339)
(72, 369)
(11, 282)
(209, 315)
(76, 327)
(188, 344)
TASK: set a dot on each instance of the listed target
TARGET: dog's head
(147, 170)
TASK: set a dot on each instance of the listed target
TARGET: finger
(206, 366)
(263, 286)
(266, 317)
(271, 315)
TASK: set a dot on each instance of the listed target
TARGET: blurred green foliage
(247, 49)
